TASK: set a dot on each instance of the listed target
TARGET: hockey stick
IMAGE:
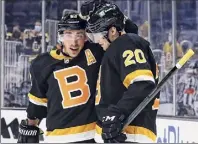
(155, 91)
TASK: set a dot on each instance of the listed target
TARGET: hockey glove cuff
(28, 134)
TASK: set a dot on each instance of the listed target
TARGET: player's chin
(74, 54)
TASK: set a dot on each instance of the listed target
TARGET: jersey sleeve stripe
(142, 78)
(37, 101)
(138, 75)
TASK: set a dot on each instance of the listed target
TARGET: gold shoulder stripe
(144, 74)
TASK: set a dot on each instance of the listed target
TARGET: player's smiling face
(73, 41)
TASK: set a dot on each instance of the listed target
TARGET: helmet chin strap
(62, 47)
(60, 41)
(62, 50)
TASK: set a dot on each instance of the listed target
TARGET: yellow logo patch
(90, 57)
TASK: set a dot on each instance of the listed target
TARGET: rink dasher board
(168, 130)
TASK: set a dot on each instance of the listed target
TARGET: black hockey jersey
(63, 92)
(128, 74)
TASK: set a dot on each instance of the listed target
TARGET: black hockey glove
(112, 125)
(130, 27)
(28, 134)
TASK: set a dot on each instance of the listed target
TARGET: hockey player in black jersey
(90, 6)
(63, 87)
(128, 74)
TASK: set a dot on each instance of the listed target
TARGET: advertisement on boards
(168, 131)
(10, 120)
(176, 131)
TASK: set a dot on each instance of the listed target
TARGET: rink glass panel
(161, 27)
(22, 45)
(187, 78)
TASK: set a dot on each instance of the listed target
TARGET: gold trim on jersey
(140, 130)
(138, 75)
(37, 101)
(70, 138)
(60, 56)
(134, 130)
(98, 129)
(72, 130)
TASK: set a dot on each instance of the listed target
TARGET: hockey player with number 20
(63, 87)
(128, 74)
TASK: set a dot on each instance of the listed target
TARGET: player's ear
(113, 31)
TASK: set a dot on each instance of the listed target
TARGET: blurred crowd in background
(23, 38)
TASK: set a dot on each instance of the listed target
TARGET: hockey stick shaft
(155, 91)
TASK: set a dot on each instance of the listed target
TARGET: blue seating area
(22, 12)
(26, 12)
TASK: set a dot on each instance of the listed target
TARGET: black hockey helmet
(104, 18)
(90, 6)
(71, 21)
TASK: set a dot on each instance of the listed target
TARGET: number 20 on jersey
(133, 57)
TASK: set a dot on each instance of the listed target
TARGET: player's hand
(28, 134)
(112, 125)
(130, 27)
